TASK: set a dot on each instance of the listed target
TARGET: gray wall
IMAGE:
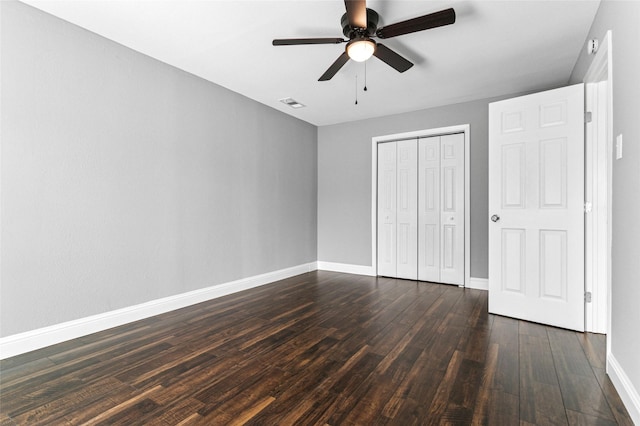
(344, 180)
(623, 19)
(126, 180)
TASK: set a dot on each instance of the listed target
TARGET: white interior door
(407, 210)
(429, 209)
(536, 203)
(387, 209)
(452, 209)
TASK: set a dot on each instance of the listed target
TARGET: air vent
(292, 103)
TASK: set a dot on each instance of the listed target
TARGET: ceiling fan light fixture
(361, 49)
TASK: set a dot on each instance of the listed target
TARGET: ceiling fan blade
(356, 13)
(421, 23)
(296, 41)
(391, 58)
(335, 67)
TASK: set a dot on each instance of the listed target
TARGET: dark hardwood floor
(319, 348)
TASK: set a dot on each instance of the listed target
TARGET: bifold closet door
(429, 209)
(441, 209)
(421, 209)
(452, 209)
(407, 210)
(397, 209)
(387, 209)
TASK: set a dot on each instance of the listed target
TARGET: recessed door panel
(430, 249)
(553, 114)
(430, 178)
(512, 121)
(449, 189)
(553, 173)
(553, 262)
(513, 178)
(448, 247)
(514, 260)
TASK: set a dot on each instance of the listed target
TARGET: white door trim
(463, 128)
(598, 180)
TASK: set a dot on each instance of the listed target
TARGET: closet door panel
(452, 209)
(429, 209)
(387, 209)
(406, 210)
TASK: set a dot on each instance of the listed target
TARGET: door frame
(598, 189)
(440, 131)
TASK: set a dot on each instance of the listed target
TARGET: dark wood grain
(319, 348)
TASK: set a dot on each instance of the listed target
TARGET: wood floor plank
(139, 402)
(595, 348)
(540, 394)
(504, 333)
(172, 414)
(440, 402)
(6, 421)
(580, 389)
(47, 413)
(485, 392)
(248, 401)
(576, 418)
(203, 377)
(321, 348)
(293, 399)
(615, 403)
(81, 415)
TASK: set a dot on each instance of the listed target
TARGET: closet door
(429, 209)
(387, 209)
(452, 209)
(421, 209)
(407, 210)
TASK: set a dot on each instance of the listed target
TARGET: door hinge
(587, 116)
(587, 297)
(588, 207)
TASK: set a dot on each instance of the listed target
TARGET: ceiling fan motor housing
(372, 25)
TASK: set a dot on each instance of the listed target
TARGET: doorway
(598, 189)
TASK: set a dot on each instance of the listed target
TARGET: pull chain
(356, 89)
(365, 76)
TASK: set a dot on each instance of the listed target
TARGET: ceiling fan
(360, 25)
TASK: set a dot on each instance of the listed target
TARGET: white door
(387, 209)
(452, 209)
(407, 210)
(441, 209)
(429, 209)
(536, 205)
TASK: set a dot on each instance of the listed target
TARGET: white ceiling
(494, 48)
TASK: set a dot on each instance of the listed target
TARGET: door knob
(495, 218)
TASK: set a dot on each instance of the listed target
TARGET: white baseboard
(478, 283)
(628, 393)
(346, 268)
(35, 339)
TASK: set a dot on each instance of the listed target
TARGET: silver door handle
(495, 218)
